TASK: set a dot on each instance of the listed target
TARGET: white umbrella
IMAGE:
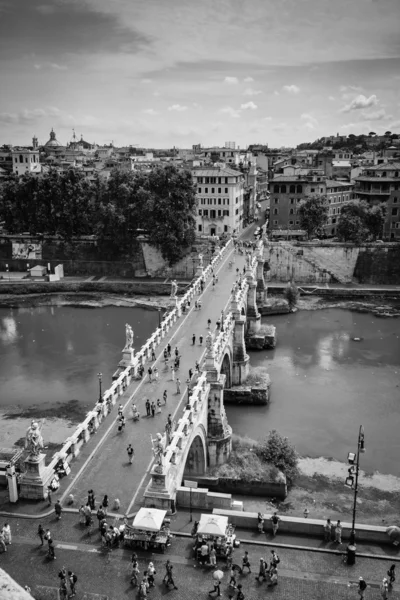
(213, 525)
(218, 575)
(149, 519)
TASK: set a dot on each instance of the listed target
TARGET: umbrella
(218, 575)
(213, 525)
(149, 519)
(394, 534)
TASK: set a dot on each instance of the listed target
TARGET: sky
(163, 73)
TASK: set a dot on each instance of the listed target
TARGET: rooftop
(215, 172)
(395, 166)
(332, 183)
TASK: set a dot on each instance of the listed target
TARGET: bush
(278, 451)
(292, 294)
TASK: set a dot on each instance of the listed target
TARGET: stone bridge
(202, 438)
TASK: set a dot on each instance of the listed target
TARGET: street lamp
(100, 376)
(353, 460)
(8, 272)
(159, 316)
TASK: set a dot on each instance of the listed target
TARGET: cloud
(394, 125)
(276, 93)
(351, 88)
(146, 81)
(332, 98)
(359, 102)
(377, 115)
(150, 111)
(231, 80)
(55, 66)
(28, 116)
(249, 106)
(248, 80)
(177, 107)
(251, 92)
(266, 119)
(232, 112)
(280, 127)
(291, 89)
(311, 123)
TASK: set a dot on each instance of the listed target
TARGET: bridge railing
(221, 340)
(83, 431)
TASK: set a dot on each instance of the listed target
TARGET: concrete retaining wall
(310, 527)
(202, 498)
(254, 488)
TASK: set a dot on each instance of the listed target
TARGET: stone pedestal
(36, 478)
(240, 370)
(127, 358)
(157, 495)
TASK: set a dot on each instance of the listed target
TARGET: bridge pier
(219, 433)
(262, 289)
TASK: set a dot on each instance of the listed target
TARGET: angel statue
(158, 448)
(34, 438)
(249, 260)
(174, 288)
(129, 337)
(209, 341)
(201, 261)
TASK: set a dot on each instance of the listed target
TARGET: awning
(149, 519)
(213, 525)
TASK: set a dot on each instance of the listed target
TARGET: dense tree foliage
(277, 450)
(160, 203)
(359, 222)
(313, 213)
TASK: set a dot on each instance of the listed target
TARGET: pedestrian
(169, 349)
(176, 351)
(58, 510)
(63, 589)
(155, 373)
(244, 270)
(240, 595)
(178, 386)
(49, 495)
(158, 410)
(165, 394)
(213, 557)
(153, 409)
(384, 589)
(88, 516)
(260, 520)
(392, 575)
(190, 374)
(362, 586)
(262, 570)
(200, 339)
(217, 588)
(144, 586)
(150, 373)
(148, 407)
(193, 339)
(172, 373)
(246, 561)
(63, 573)
(218, 324)
(72, 582)
(91, 499)
(150, 574)
(141, 371)
(40, 533)
(275, 523)
(327, 530)
(3, 542)
(131, 453)
(121, 423)
(153, 355)
(338, 532)
(168, 575)
(169, 420)
(197, 367)
(275, 560)
(209, 324)
(7, 533)
(120, 409)
(273, 577)
(51, 552)
(237, 272)
(105, 503)
(177, 362)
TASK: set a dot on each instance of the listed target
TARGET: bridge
(200, 436)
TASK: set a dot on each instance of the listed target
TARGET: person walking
(72, 578)
(91, 501)
(275, 523)
(151, 571)
(3, 542)
(197, 367)
(153, 355)
(273, 577)
(178, 386)
(169, 350)
(213, 557)
(172, 373)
(190, 373)
(158, 411)
(165, 395)
(384, 589)
(7, 533)
(246, 561)
(121, 423)
(153, 409)
(105, 503)
(155, 373)
(58, 510)
(217, 588)
(176, 351)
(40, 533)
(131, 453)
(262, 570)
(63, 589)
(392, 575)
(120, 410)
(275, 560)
(209, 324)
(362, 586)
(193, 339)
(200, 340)
(148, 407)
(51, 552)
(240, 595)
(338, 532)
(150, 373)
(169, 576)
(49, 495)
(260, 521)
(327, 530)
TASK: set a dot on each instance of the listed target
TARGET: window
(321, 190)
(384, 174)
(199, 190)
(237, 211)
(219, 213)
(200, 227)
(275, 222)
(291, 211)
(276, 189)
(219, 189)
(213, 190)
(333, 219)
(226, 213)
(283, 189)
(212, 214)
(276, 212)
(206, 180)
(200, 212)
(219, 179)
(209, 201)
(225, 228)
(16, 159)
(292, 189)
(299, 189)
(276, 200)
(297, 222)
(21, 158)
(312, 189)
(394, 212)
(206, 190)
(202, 201)
(292, 200)
(291, 223)
(398, 225)
(226, 180)
(226, 190)
(205, 212)
(219, 200)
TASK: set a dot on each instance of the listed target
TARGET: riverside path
(107, 470)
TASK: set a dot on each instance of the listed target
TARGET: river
(324, 384)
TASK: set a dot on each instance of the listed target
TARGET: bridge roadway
(107, 470)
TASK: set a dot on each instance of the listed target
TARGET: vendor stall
(215, 532)
(150, 529)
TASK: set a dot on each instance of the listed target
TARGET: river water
(324, 384)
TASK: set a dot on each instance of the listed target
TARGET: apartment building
(337, 192)
(220, 192)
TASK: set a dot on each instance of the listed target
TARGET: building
(224, 155)
(25, 161)
(53, 147)
(337, 192)
(378, 184)
(220, 196)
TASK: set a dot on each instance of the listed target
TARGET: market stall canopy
(213, 525)
(149, 519)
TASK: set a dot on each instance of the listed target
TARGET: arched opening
(196, 460)
(276, 189)
(292, 189)
(226, 370)
(299, 189)
(283, 189)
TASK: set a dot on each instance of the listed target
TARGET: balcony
(373, 191)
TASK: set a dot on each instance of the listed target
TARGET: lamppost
(159, 316)
(100, 376)
(8, 273)
(352, 479)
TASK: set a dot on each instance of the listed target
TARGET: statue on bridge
(158, 449)
(129, 335)
(34, 439)
(248, 260)
(174, 288)
(209, 341)
(201, 261)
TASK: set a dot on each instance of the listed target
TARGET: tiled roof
(216, 172)
(331, 183)
(294, 178)
(386, 167)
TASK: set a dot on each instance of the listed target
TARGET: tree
(358, 222)
(372, 134)
(292, 294)
(375, 220)
(278, 451)
(313, 213)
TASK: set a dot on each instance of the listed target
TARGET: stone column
(262, 290)
(219, 433)
(241, 360)
(253, 316)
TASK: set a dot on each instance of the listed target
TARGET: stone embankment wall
(320, 263)
(147, 288)
(225, 485)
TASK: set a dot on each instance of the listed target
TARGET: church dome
(53, 142)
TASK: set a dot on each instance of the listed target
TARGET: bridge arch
(195, 457)
(226, 369)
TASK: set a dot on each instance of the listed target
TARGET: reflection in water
(8, 330)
